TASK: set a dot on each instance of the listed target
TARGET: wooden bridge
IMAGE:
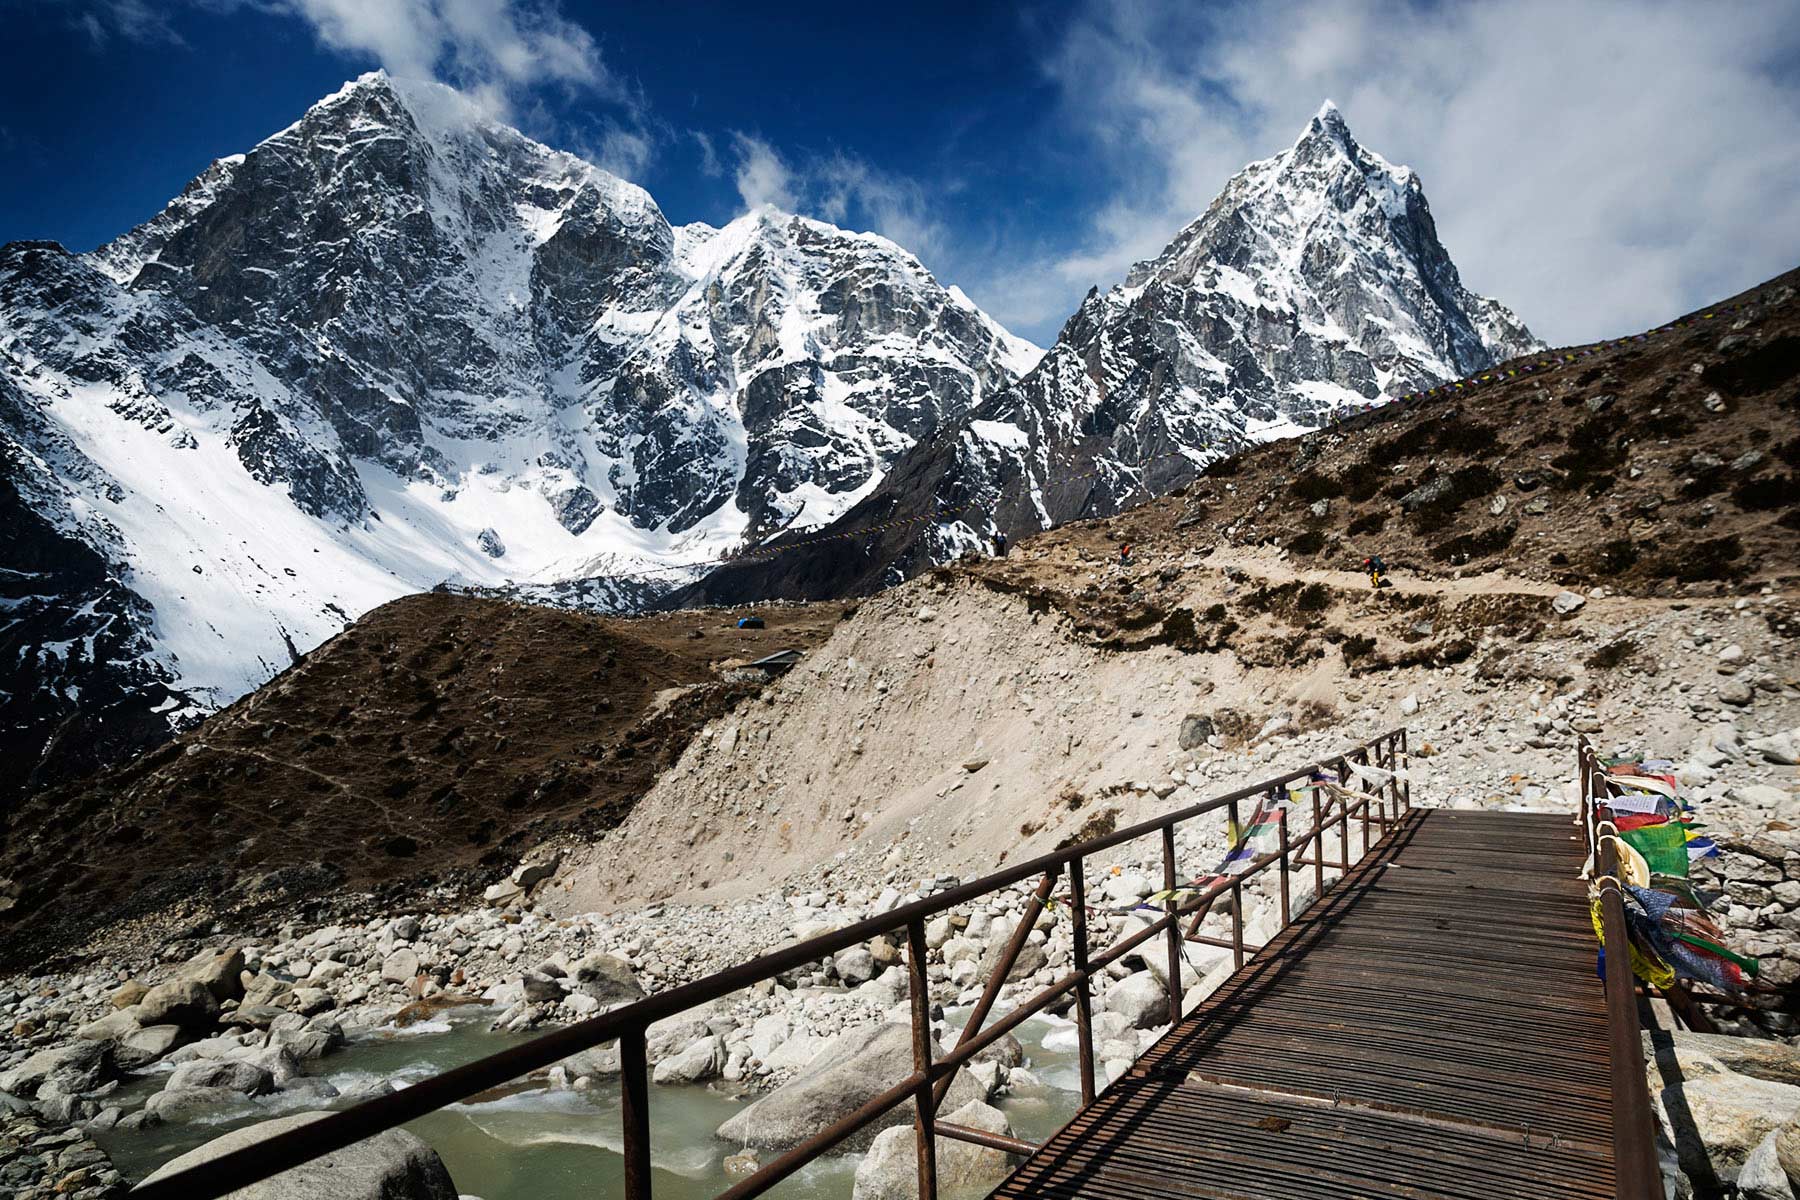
(1432, 1025)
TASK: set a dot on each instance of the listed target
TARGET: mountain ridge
(1313, 285)
(397, 343)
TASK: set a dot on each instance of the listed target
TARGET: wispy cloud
(504, 54)
(841, 188)
(710, 166)
(762, 176)
(102, 21)
(491, 48)
(1597, 165)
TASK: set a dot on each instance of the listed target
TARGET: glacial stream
(550, 1145)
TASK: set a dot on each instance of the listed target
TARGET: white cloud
(762, 177)
(1600, 166)
(710, 166)
(490, 48)
(840, 188)
(850, 190)
(132, 20)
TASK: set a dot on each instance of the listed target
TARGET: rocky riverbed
(194, 1027)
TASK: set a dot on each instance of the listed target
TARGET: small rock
(400, 966)
(1568, 602)
(1779, 748)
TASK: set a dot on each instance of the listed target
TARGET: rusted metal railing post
(1343, 834)
(1406, 762)
(990, 993)
(1281, 816)
(924, 1114)
(1084, 1010)
(634, 1111)
(1318, 840)
(1237, 923)
(1168, 843)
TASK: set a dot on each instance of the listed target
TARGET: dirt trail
(1271, 566)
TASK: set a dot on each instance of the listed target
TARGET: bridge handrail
(1637, 1176)
(283, 1151)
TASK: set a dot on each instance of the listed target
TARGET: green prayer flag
(1663, 846)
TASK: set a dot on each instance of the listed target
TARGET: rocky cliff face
(398, 344)
(1312, 287)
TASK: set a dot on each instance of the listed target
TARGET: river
(547, 1145)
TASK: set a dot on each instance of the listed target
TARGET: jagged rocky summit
(398, 344)
(1314, 285)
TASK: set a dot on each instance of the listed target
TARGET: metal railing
(931, 1078)
(1637, 1176)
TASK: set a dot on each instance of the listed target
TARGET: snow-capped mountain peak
(1312, 285)
(399, 342)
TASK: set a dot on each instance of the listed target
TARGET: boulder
(602, 1060)
(239, 1076)
(182, 1104)
(77, 1067)
(1759, 1058)
(129, 993)
(1761, 795)
(280, 1062)
(607, 979)
(310, 1086)
(1196, 958)
(1779, 748)
(528, 875)
(1568, 602)
(701, 1060)
(965, 1171)
(264, 991)
(220, 972)
(305, 1044)
(1032, 956)
(1716, 1120)
(1195, 729)
(1787, 1151)
(310, 1001)
(141, 1047)
(542, 989)
(395, 1165)
(188, 1003)
(400, 966)
(112, 1026)
(669, 1036)
(798, 1051)
(1141, 999)
(859, 1066)
(1761, 1177)
(767, 1033)
(855, 965)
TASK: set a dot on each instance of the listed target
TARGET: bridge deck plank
(1431, 1028)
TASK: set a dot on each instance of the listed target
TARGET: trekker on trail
(1125, 555)
(999, 545)
(1377, 571)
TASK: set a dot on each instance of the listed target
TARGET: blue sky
(1597, 166)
